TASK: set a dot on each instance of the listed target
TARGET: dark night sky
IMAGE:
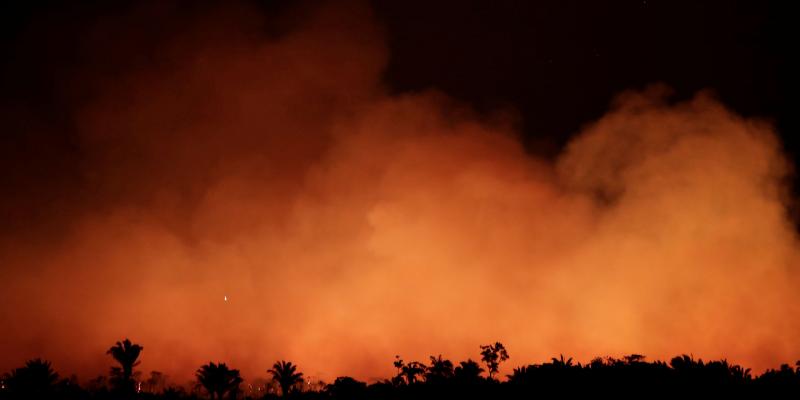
(557, 62)
(561, 62)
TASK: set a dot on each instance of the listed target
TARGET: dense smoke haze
(248, 190)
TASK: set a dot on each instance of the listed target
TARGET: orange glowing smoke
(343, 225)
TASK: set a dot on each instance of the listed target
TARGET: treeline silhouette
(438, 378)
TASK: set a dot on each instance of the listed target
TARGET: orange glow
(254, 199)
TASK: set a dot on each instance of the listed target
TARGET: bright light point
(225, 298)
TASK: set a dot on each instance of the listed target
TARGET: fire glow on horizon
(351, 225)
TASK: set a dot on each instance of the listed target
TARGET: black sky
(558, 63)
(561, 62)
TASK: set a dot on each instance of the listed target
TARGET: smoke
(345, 225)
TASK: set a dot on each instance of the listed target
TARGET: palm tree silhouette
(286, 375)
(36, 378)
(519, 374)
(561, 362)
(740, 374)
(218, 379)
(412, 370)
(439, 370)
(126, 354)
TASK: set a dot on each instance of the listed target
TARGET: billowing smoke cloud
(345, 225)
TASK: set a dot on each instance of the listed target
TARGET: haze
(247, 197)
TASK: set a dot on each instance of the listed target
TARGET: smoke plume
(247, 190)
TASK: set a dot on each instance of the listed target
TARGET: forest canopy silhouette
(246, 189)
(629, 376)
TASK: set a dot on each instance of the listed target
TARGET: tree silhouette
(468, 371)
(126, 354)
(173, 393)
(685, 363)
(740, 374)
(155, 381)
(35, 379)
(399, 364)
(561, 362)
(412, 370)
(407, 373)
(596, 363)
(630, 359)
(440, 370)
(626, 377)
(345, 387)
(218, 379)
(519, 374)
(286, 375)
(398, 379)
(492, 355)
